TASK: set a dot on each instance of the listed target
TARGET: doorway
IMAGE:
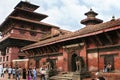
(73, 62)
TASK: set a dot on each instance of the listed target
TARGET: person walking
(34, 74)
(1, 70)
(13, 72)
(99, 76)
(18, 73)
(30, 74)
(42, 73)
(9, 72)
(24, 73)
(4, 71)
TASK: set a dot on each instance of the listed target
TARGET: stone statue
(48, 65)
(78, 64)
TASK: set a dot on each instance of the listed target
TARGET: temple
(24, 36)
(21, 28)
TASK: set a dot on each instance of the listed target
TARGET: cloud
(66, 14)
(103, 4)
(106, 8)
(6, 7)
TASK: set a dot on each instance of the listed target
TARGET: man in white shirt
(9, 72)
(1, 70)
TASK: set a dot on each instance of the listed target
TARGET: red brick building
(98, 43)
(23, 27)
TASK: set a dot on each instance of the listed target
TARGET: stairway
(67, 76)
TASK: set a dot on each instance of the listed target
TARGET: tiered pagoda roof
(31, 17)
(91, 18)
(28, 9)
(23, 14)
(26, 6)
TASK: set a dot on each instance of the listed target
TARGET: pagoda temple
(97, 44)
(94, 46)
(23, 27)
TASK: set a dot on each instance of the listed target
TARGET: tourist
(43, 73)
(99, 76)
(105, 68)
(2, 74)
(34, 74)
(30, 74)
(13, 72)
(1, 70)
(18, 73)
(109, 67)
(9, 72)
(24, 73)
(5, 69)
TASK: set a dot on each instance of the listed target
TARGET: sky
(66, 14)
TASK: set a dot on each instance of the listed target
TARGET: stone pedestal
(80, 76)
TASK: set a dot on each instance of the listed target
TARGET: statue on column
(78, 64)
(48, 65)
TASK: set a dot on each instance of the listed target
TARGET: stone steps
(66, 76)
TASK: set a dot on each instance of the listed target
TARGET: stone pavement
(6, 77)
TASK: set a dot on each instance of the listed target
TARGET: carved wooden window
(7, 50)
(109, 59)
(33, 28)
(3, 58)
(3, 52)
(33, 33)
(37, 63)
(22, 26)
(22, 31)
(7, 58)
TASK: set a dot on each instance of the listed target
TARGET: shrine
(90, 48)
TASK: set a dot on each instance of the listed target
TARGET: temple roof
(91, 18)
(26, 6)
(37, 15)
(9, 18)
(84, 32)
(91, 12)
(20, 9)
(32, 21)
(12, 36)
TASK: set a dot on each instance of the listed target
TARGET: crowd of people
(23, 73)
(18, 73)
(31, 73)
